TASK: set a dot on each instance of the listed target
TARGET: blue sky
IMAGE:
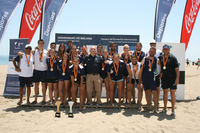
(127, 17)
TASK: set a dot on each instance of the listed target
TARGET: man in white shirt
(40, 70)
(23, 64)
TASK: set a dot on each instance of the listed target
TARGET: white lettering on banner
(33, 17)
(161, 28)
(5, 15)
(189, 18)
(46, 33)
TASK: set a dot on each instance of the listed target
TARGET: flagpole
(41, 22)
(155, 19)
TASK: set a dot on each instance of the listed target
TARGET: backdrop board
(95, 39)
(178, 50)
(12, 79)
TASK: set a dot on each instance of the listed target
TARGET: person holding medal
(169, 77)
(139, 53)
(125, 56)
(99, 50)
(64, 78)
(104, 74)
(116, 72)
(52, 75)
(134, 73)
(25, 69)
(61, 50)
(77, 73)
(40, 70)
(148, 70)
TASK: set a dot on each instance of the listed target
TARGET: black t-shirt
(172, 63)
(93, 64)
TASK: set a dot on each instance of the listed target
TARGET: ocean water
(3, 60)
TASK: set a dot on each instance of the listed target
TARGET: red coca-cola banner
(31, 18)
(189, 18)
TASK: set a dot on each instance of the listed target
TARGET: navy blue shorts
(133, 81)
(157, 81)
(79, 82)
(39, 76)
(103, 77)
(52, 80)
(64, 78)
(166, 84)
(25, 81)
(149, 84)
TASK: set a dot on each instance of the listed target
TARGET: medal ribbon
(41, 54)
(83, 56)
(135, 71)
(75, 72)
(165, 61)
(99, 54)
(125, 60)
(51, 62)
(151, 63)
(103, 65)
(28, 60)
(64, 64)
(139, 54)
(116, 69)
(72, 57)
(111, 54)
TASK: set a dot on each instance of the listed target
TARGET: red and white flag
(189, 18)
(31, 18)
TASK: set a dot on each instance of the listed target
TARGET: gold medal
(116, 74)
(150, 64)
(164, 67)
(40, 60)
(75, 73)
(51, 69)
(150, 70)
(165, 61)
(51, 63)
(116, 68)
(63, 74)
(75, 79)
(102, 69)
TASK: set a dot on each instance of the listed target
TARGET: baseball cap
(153, 41)
(166, 46)
(28, 45)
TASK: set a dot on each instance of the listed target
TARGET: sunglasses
(28, 48)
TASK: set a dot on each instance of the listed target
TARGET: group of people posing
(65, 72)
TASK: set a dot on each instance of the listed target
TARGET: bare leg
(107, 89)
(148, 96)
(173, 99)
(21, 90)
(129, 92)
(81, 92)
(50, 92)
(28, 94)
(140, 90)
(66, 88)
(36, 91)
(120, 87)
(55, 87)
(74, 92)
(165, 98)
(112, 86)
(60, 88)
(158, 94)
(155, 99)
(44, 89)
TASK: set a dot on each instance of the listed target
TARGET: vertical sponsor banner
(163, 9)
(12, 79)
(178, 50)
(7, 8)
(31, 18)
(189, 18)
(51, 13)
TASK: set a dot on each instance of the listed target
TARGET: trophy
(58, 106)
(70, 114)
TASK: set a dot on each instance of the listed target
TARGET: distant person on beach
(24, 66)
(169, 77)
(187, 62)
(198, 63)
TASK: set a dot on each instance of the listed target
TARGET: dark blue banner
(7, 8)
(12, 79)
(94, 39)
(163, 9)
(51, 12)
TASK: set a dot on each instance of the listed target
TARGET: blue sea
(4, 60)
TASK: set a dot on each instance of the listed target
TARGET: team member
(113, 47)
(115, 74)
(69, 44)
(24, 67)
(77, 73)
(52, 75)
(157, 54)
(134, 73)
(125, 56)
(40, 70)
(64, 78)
(99, 50)
(104, 74)
(148, 78)
(61, 50)
(139, 53)
(93, 62)
(74, 54)
(169, 76)
(83, 51)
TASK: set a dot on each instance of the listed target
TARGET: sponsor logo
(191, 16)
(33, 17)
(161, 27)
(3, 19)
(17, 45)
(48, 29)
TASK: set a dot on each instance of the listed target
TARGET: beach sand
(14, 119)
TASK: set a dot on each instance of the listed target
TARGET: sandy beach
(14, 119)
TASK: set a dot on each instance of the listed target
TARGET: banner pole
(41, 21)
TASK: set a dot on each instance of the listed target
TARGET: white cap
(28, 45)
(153, 41)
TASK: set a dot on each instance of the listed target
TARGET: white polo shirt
(40, 66)
(26, 71)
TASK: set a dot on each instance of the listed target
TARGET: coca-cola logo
(189, 18)
(34, 15)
